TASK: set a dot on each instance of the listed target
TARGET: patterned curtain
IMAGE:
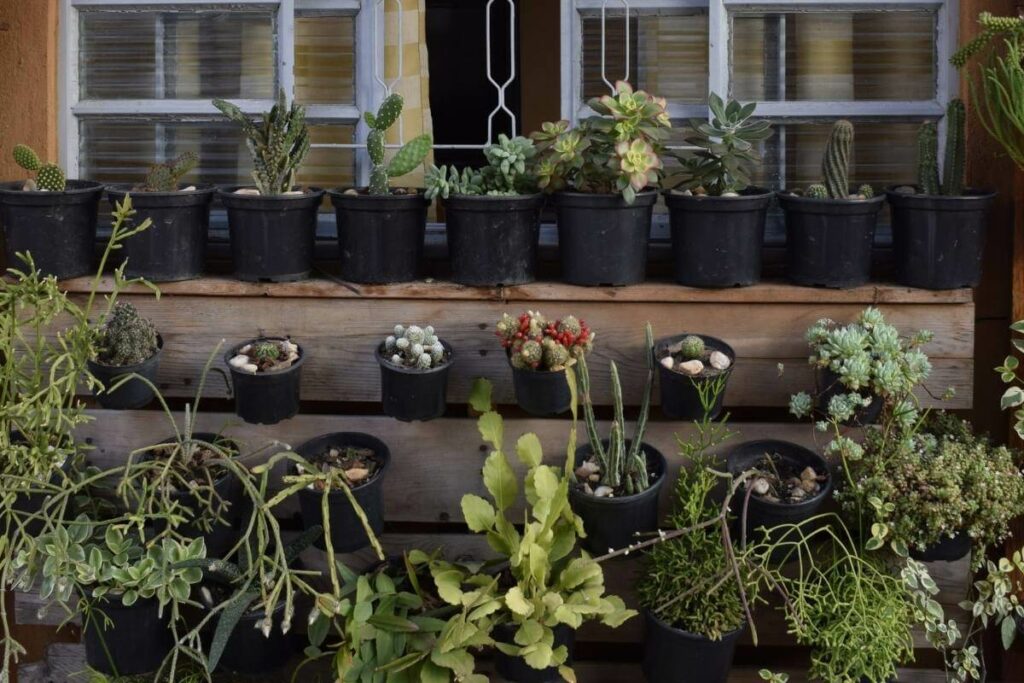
(414, 83)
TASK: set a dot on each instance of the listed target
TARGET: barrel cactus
(414, 347)
(165, 177)
(407, 158)
(533, 342)
(126, 338)
(817, 191)
(49, 177)
(692, 347)
(835, 166)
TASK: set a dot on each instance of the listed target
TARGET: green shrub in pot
(128, 344)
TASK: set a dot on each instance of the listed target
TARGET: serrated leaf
(492, 429)
(529, 450)
(478, 513)
(517, 602)
(500, 480)
(480, 395)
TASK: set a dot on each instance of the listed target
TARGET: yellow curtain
(414, 83)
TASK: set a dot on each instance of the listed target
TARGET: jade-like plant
(165, 177)
(617, 151)
(414, 347)
(508, 172)
(728, 150)
(49, 177)
(126, 338)
(536, 343)
(278, 143)
(835, 167)
(952, 184)
(407, 158)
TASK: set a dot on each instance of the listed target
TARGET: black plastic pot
(939, 241)
(380, 239)
(766, 514)
(949, 549)
(410, 394)
(541, 393)
(613, 523)
(31, 502)
(266, 397)
(515, 669)
(249, 652)
(134, 641)
(828, 241)
(602, 240)
(134, 393)
(57, 228)
(829, 385)
(347, 532)
(174, 247)
(493, 240)
(272, 238)
(717, 241)
(680, 395)
(672, 655)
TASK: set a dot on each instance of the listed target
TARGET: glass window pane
(325, 60)
(834, 56)
(334, 166)
(196, 54)
(668, 55)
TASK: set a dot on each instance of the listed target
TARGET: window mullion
(69, 90)
(286, 47)
(719, 24)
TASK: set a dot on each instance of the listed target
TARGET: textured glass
(325, 60)
(834, 56)
(177, 55)
(332, 167)
(668, 55)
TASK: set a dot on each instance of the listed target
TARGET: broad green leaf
(517, 602)
(529, 450)
(567, 673)
(478, 513)
(432, 673)
(492, 429)
(449, 585)
(459, 661)
(396, 624)
(1012, 397)
(578, 572)
(539, 564)
(538, 655)
(480, 395)
(1008, 631)
(500, 480)
(529, 632)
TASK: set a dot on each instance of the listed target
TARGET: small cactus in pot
(126, 338)
(49, 177)
(167, 176)
(414, 367)
(414, 347)
(835, 168)
(405, 160)
(952, 183)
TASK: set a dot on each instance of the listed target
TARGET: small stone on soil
(247, 190)
(604, 491)
(691, 367)
(668, 362)
(719, 361)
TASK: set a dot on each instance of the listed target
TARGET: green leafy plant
(126, 338)
(407, 158)
(165, 177)
(49, 177)
(507, 173)
(532, 341)
(728, 149)
(414, 347)
(616, 151)
(952, 184)
(1013, 395)
(278, 143)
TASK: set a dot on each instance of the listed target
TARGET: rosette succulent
(507, 173)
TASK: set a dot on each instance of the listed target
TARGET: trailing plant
(407, 158)
(1013, 395)
(536, 343)
(278, 143)
(622, 463)
(615, 152)
(952, 184)
(414, 347)
(126, 338)
(165, 177)
(49, 177)
(729, 149)
(507, 173)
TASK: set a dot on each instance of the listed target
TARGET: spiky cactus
(928, 158)
(49, 177)
(414, 347)
(126, 338)
(866, 191)
(953, 167)
(278, 143)
(835, 165)
(266, 351)
(536, 343)
(166, 176)
(407, 158)
(692, 347)
(817, 191)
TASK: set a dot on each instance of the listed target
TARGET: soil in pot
(611, 517)
(947, 549)
(687, 365)
(672, 655)
(266, 375)
(174, 247)
(134, 641)
(516, 670)
(717, 241)
(414, 393)
(57, 228)
(362, 461)
(492, 241)
(272, 237)
(134, 393)
(380, 238)
(602, 240)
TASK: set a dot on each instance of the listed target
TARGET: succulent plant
(49, 177)
(414, 347)
(266, 350)
(692, 347)
(126, 338)
(534, 342)
(866, 191)
(166, 176)
(507, 173)
(952, 184)
(278, 143)
(835, 165)
(816, 191)
(407, 158)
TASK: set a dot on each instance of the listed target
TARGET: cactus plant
(166, 176)
(817, 191)
(278, 143)
(952, 184)
(534, 342)
(126, 338)
(692, 347)
(866, 191)
(928, 158)
(414, 347)
(407, 158)
(835, 165)
(49, 177)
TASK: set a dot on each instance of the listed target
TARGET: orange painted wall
(28, 80)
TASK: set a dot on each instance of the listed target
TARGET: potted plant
(128, 344)
(52, 218)
(272, 226)
(829, 231)
(414, 368)
(492, 214)
(540, 352)
(717, 218)
(617, 480)
(687, 365)
(266, 376)
(938, 228)
(175, 247)
(544, 593)
(380, 228)
(605, 173)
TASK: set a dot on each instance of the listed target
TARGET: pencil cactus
(835, 166)
(407, 158)
(414, 347)
(953, 167)
(928, 158)
(49, 177)
(166, 176)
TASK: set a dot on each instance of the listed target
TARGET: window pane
(834, 56)
(331, 167)
(668, 55)
(177, 55)
(325, 63)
